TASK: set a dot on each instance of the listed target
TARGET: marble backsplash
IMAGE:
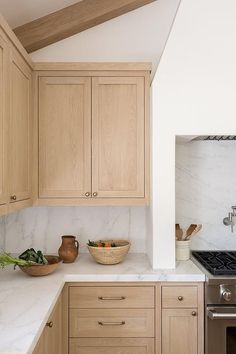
(42, 227)
(206, 190)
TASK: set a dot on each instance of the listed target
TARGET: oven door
(220, 330)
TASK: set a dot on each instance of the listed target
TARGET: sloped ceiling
(139, 35)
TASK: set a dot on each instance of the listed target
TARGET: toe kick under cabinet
(92, 131)
(111, 319)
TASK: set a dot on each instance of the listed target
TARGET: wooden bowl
(111, 255)
(42, 269)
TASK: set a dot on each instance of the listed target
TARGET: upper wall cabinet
(118, 137)
(3, 121)
(64, 137)
(20, 133)
(93, 137)
(15, 123)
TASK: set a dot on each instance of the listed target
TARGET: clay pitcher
(69, 249)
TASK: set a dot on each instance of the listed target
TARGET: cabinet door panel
(114, 346)
(64, 137)
(179, 331)
(53, 335)
(3, 113)
(118, 136)
(20, 128)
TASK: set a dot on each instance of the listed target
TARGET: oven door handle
(213, 315)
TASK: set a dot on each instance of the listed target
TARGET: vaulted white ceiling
(139, 35)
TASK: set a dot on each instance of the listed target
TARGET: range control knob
(227, 295)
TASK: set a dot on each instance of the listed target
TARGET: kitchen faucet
(231, 219)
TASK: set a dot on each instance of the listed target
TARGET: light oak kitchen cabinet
(20, 129)
(3, 124)
(15, 123)
(114, 318)
(93, 133)
(50, 341)
(182, 319)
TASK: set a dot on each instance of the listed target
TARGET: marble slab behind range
(41, 227)
(206, 190)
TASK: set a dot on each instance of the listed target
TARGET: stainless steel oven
(221, 330)
(220, 300)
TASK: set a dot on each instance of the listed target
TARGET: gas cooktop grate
(217, 262)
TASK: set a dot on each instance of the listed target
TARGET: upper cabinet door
(64, 137)
(118, 137)
(3, 120)
(20, 129)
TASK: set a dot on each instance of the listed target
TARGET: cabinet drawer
(111, 297)
(111, 346)
(111, 323)
(179, 296)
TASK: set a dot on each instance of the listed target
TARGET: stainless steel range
(220, 300)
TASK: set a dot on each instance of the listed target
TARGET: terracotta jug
(69, 249)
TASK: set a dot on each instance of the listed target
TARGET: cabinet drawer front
(111, 297)
(111, 323)
(114, 346)
(179, 296)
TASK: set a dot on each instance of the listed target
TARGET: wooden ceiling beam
(71, 20)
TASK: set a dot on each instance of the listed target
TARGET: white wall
(194, 92)
(206, 190)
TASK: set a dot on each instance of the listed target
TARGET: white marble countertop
(26, 302)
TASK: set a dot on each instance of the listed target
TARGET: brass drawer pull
(13, 197)
(194, 313)
(111, 323)
(95, 194)
(111, 298)
(49, 324)
(180, 298)
(87, 194)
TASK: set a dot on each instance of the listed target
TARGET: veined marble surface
(42, 227)
(26, 302)
(206, 190)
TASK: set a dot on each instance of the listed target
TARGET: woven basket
(111, 255)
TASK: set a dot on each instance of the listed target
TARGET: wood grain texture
(93, 66)
(20, 128)
(4, 103)
(179, 331)
(85, 323)
(64, 137)
(124, 297)
(50, 341)
(114, 346)
(71, 20)
(183, 333)
(118, 137)
(179, 296)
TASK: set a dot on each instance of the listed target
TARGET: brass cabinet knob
(49, 324)
(180, 298)
(87, 194)
(95, 194)
(194, 313)
(13, 197)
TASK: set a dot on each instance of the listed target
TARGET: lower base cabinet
(50, 341)
(182, 318)
(111, 346)
(179, 331)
